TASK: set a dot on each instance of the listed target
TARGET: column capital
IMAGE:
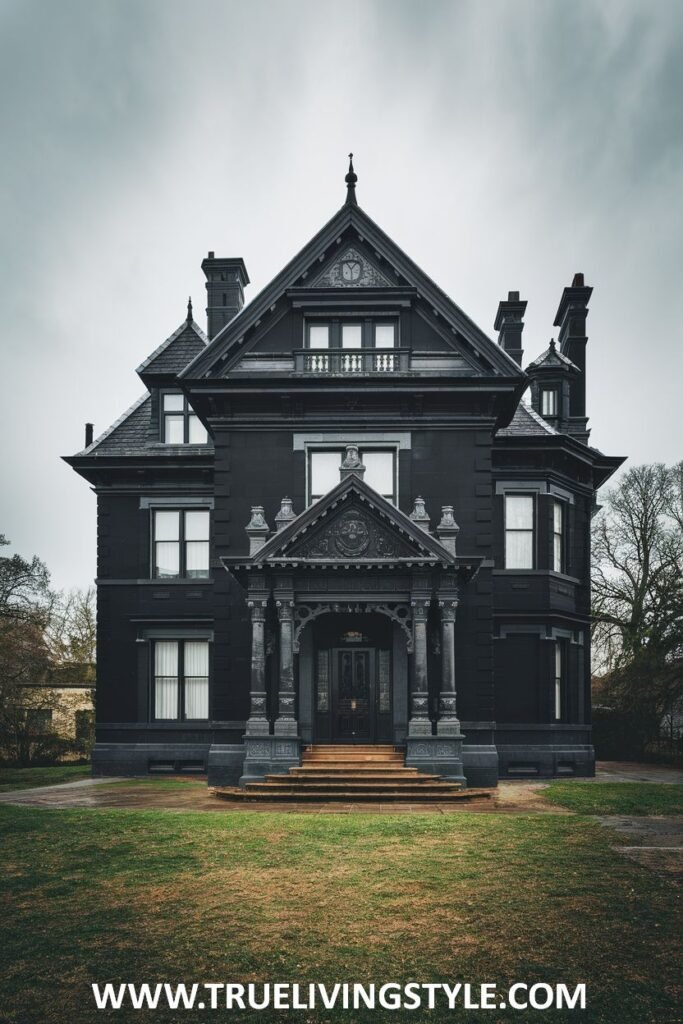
(448, 609)
(285, 610)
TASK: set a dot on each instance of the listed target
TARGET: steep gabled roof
(174, 354)
(350, 216)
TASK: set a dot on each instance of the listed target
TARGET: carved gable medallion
(352, 270)
(353, 534)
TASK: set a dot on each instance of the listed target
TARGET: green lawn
(95, 895)
(27, 778)
(616, 797)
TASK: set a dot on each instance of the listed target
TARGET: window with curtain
(179, 424)
(548, 402)
(519, 531)
(558, 536)
(180, 543)
(380, 471)
(181, 680)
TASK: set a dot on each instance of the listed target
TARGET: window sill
(538, 572)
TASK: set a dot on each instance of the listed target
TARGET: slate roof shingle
(526, 422)
(177, 351)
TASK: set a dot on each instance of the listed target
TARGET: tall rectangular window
(180, 425)
(380, 472)
(181, 680)
(548, 402)
(559, 681)
(558, 537)
(180, 543)
(519, 531)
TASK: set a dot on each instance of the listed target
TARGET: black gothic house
(336, 520)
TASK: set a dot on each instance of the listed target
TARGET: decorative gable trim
(352, 270)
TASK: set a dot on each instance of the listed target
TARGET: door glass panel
(323, 682)
(384, 680)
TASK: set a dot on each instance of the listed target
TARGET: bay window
(519, 531)
(558, 537)
(181, 680)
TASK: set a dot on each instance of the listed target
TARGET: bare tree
(638, 590)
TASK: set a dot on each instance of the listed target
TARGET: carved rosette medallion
(351, 534)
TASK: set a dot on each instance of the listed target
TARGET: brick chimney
(571, 319)
(510, 324)
(226, 279)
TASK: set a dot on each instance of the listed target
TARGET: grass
(638, 798)
(118, 895)
(28, 778)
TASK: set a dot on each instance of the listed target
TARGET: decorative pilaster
(257, 723)
(351, 463)
(447, 531)
(257, 529)
(285, 515)
(448, 724)
(285, 723)
(419, 515)
(420, 724)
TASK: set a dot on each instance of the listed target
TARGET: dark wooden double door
(353, 695)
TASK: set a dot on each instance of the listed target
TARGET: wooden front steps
(374, 773)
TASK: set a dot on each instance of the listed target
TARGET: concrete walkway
(511, 797)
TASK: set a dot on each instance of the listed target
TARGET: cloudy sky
(504, 145)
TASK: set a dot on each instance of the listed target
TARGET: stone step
(283, 783)
(348, 778)
(354, 769)
(369, 796)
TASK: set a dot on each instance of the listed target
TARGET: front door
(353, 695)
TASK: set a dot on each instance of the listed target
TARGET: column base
(286, 727)
(269, 755)
(257, 727)
(437, 755)
(419, 727)
(448, 727)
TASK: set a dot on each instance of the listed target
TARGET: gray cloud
(503, 145)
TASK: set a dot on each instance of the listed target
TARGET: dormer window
(179, 424)
(548, 402)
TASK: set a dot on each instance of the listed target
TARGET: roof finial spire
(351, 179)
(189, 309)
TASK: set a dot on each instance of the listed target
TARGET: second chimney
(226, 279)
(510, 324)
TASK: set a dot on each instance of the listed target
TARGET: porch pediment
(353, 525)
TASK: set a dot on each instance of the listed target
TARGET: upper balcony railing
(351, 362)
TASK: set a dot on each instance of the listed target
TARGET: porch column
(448, 724)
(257, 723)
(420, 724)
(285, 723)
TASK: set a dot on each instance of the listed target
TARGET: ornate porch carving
(308, 612)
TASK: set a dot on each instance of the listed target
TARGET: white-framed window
(180, 680)
(180, 543)
(548, 402)
(558, 536)
(519, 531)
(559, 680)
(380, 471)
(179, 424)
